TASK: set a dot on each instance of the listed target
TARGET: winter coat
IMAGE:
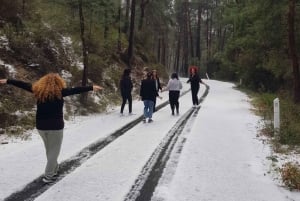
(148, 90)
(49, 114)
(195, 81)
(157, 84)
(126, 86)
(174, 85)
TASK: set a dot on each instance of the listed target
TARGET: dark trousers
(154, 105)
(173, 99)
(195, 95)
(125, 98)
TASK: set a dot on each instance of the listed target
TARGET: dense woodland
(254, 43)
(251, 42)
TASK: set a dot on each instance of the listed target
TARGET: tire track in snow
(148, 179)
(37, 187)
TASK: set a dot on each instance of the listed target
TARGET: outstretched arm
(78, 90)
(202, 82)
(20, 84)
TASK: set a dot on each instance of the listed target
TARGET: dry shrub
(290, 173)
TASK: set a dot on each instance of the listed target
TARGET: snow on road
(22, 162)
(221, 159)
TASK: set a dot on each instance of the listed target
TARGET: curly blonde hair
(48, 87)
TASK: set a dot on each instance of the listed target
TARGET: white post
(276, 115)
(207, 76)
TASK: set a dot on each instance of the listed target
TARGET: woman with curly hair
(49, 91)
(195, 81)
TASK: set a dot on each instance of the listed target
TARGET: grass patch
(290, 173)
(287, 140)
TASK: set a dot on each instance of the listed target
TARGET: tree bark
(84, 46)
(198, 43)
(106, 28)
(207, 36)
(190, 33)
(119, 28)
(142, 7)
(126, 24)
(178, 50)
(163, 56)
(131, 34)
(158, 49)
(293, 50)
(185, 38)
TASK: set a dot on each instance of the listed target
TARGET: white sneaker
(49, 180)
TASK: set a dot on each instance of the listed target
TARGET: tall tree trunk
(84, 46)
(158, 50)
(126, 24)
(23, 7)
(293, 50)
(207, 36)
(190, 33)
(223, 39)
(198, 43)
(163, 56)
(178, 50)
(131, 34)
(142, 7)
(210, 33)
(105, 22)
(119, 28)
(185, 38)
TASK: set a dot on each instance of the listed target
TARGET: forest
(254, 43)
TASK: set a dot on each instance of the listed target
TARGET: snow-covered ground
(11, 69)
(221, 159)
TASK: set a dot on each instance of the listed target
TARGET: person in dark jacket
(195, 81)
(157, 85)
(126, 88)
(148, 94)
(49, 91)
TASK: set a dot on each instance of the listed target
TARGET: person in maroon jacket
(49, 91)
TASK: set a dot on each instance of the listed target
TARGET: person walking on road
(195, 81)
(126, 88)
(49, 91)
(157, 85)
(148, 94)
(174, 86)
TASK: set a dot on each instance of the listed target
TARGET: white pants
(52, 140)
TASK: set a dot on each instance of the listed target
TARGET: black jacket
(49, 114)
(195, 81)
(157, 84)
(148, 90)
(126, 86)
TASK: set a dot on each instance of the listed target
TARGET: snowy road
(217, 156)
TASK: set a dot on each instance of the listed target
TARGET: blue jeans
(148, 108)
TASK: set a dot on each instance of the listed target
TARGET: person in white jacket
(174, 86)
